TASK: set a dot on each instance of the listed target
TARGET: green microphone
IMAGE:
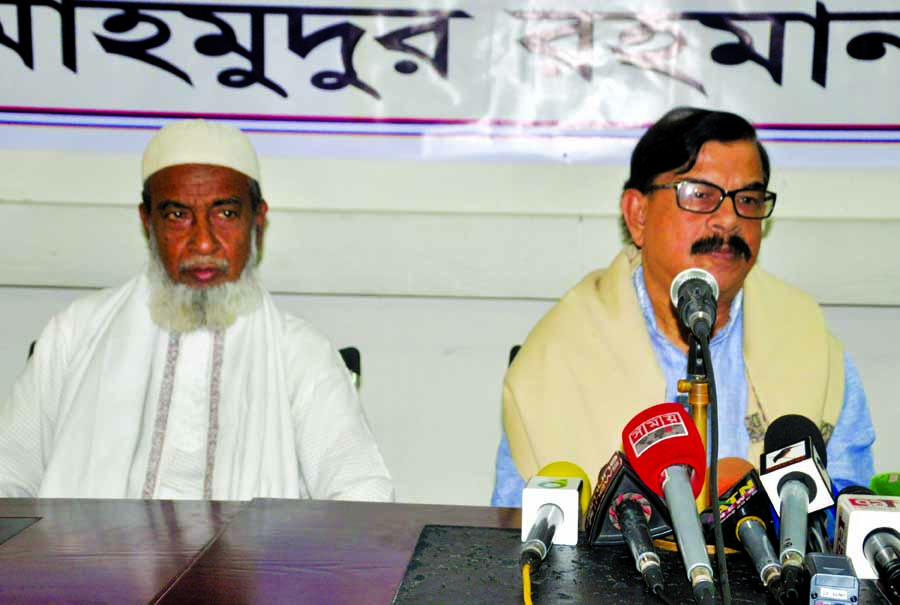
(886, 484)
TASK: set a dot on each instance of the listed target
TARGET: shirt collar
(640, 288)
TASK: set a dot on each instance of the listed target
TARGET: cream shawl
(589, 366)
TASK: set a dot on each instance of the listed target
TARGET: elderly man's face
(669, 236)
(203, 222)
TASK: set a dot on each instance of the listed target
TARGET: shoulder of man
(69, 332)
(85, 314)
(102, 300)
(305, 345)
(559, 331)
(574, 305)
(602, 298)
(763, 288)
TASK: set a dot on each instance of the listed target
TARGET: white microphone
(866, 531)
(552, 509)
(794, 477)
(694, 293)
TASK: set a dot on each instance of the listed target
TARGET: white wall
(435, 269)
(519, 230)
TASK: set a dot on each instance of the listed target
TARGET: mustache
(196, 262)
(715, 243)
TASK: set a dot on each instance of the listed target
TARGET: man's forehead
(198, 178)
(718, 155)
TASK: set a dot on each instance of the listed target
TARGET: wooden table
(281, 551)
(104, 551)
(264, 551)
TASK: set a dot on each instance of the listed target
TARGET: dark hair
(252, 185)
(674, 142)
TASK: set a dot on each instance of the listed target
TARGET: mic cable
(660, 593)
(526, 584)
(724, 585)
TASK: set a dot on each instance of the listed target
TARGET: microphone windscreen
(886, 484)
(792, 428)
(662, 436)
(562, 468)
(689, 274)
(731, 470)
(855, 490)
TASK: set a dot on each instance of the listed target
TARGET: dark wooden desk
(104, 551)
(265, 551)
(280, 551)
(335, 553)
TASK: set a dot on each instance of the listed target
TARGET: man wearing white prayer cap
(187, 381)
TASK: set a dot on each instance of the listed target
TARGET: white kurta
(112, 406)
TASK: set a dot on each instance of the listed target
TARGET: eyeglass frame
(725, 193)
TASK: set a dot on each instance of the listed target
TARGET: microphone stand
(696, 385)
(700, 385)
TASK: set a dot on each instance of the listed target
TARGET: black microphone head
(694, 293)
(855, 490)
(702, 276)
(791, 428)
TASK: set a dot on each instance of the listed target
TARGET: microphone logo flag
(561, 485)
(615, 480)
(799, 462)
(653, 430)
(661, 437)
(746, 498)
(857, 518)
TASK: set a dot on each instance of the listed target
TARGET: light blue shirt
(849, 449)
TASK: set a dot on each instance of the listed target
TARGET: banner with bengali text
(561, 80)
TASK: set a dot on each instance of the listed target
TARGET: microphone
(623, 509)
(793, 474)
(553, 502)
(747, 522)
(731, 470)
(867, 532)
(694, 293)
(664, 447)
(817, 533)
(886, 484)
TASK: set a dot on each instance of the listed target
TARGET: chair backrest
(353, 361)
(512, 354)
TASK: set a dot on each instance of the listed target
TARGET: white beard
(179, 308)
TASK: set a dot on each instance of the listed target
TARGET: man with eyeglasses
(696, 197)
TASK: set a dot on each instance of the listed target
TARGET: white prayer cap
(200, 142)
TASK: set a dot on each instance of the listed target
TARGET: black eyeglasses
(705, 198)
